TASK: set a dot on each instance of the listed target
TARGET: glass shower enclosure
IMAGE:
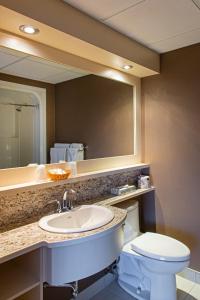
(19, 128)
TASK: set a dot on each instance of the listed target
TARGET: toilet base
(161, 289)
(145, 280)
(131, 290)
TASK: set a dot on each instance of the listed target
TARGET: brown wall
(172, 144)
(50, 103)
(97, 112)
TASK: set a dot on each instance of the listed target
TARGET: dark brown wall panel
(171, 111)
(97, 112)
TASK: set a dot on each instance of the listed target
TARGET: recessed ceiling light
(127, 67)
(29, 29)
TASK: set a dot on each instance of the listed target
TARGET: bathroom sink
(82, 218)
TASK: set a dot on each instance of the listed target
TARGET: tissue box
(120, 190)
(144, 182)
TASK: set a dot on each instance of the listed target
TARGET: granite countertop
(29, 237)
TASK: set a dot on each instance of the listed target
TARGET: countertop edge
(45, 243)
(80, 177)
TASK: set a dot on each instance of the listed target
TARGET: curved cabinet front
(84, 257)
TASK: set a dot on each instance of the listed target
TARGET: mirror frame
(10, 41)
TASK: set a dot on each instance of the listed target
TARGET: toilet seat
(160, 247)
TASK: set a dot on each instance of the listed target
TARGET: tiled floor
(187, 290)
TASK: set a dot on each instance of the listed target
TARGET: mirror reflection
(51, 112)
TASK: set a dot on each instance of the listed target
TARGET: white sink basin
(82, 218)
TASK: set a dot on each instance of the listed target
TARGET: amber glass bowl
(55, 176)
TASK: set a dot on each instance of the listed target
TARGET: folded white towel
(72, 154)
(77, 145)
(57, 154)
(61, 145)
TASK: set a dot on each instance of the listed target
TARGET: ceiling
(162, 25)
(27, 66)
(63, 40)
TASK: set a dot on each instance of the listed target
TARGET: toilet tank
(131, 227)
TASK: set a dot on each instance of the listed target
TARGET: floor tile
(188, 274)
(109, 279)
(93, 290)
(189, 297)
(105, 295)
(181, 295)
(194, 293)
(187, 290)
(197, 277)
(118, 291)
(113, 292)
(184, 286)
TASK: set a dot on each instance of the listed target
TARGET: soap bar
(120, 190)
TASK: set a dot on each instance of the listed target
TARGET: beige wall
(171, 103)
(50, 104)
(97, 112)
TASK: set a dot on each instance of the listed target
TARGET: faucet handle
(59, 207)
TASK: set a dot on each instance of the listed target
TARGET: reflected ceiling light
(127, 67)
(29, 29)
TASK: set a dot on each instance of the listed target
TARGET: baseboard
(191, 275)
(96, 287)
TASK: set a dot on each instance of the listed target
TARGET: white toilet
(149, 262)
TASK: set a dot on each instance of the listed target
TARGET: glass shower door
(9, 137)
(19, 134)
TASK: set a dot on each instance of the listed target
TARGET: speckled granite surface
(28, 206)
(26, 238)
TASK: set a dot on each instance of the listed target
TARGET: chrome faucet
(68, 199)
(59, 206)
(66, 203)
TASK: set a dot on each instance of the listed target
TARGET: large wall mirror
(51, 112)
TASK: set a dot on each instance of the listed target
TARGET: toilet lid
(160, 247)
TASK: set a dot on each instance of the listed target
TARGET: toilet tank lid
(161, 247)
(132, 207)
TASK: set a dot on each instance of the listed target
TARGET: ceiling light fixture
(127, 67)
(28, 29)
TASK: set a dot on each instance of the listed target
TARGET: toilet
(149, 262)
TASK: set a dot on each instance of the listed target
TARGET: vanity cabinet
(21, 277)
(33, 294)
(83, 257)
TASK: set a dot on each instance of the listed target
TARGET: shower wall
(19, 128)
(9, 142)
